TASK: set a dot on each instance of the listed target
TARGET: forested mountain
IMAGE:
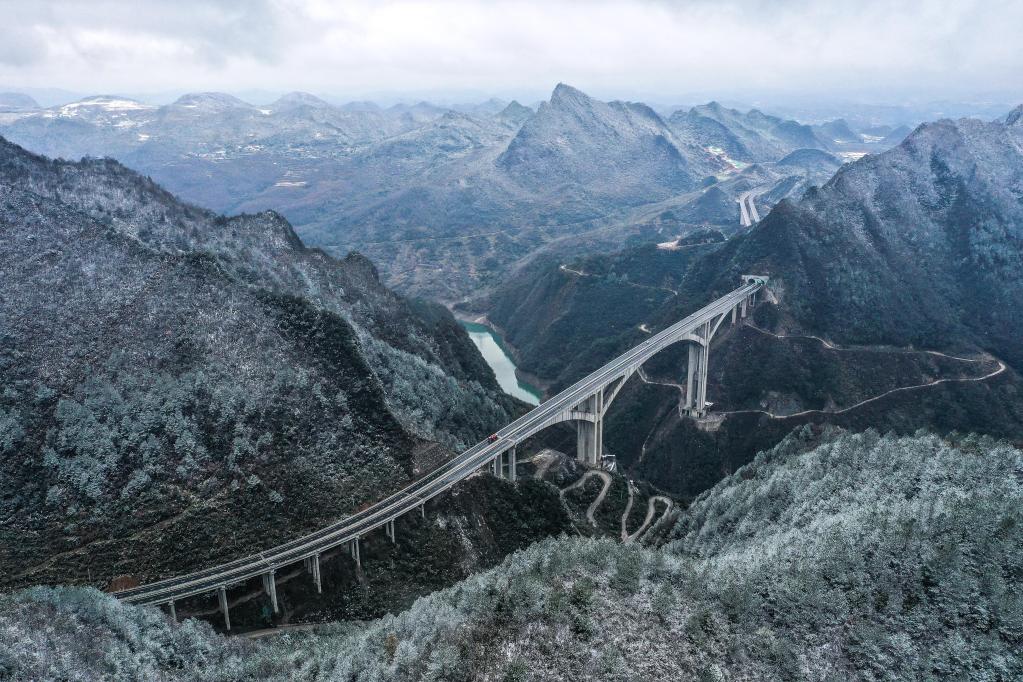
(915, 248)
(851, 557)
(920, 245)
(446, 202)
(181, 386)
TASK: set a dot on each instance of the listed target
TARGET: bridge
(585, 402)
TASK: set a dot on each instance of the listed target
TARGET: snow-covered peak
(109, 103)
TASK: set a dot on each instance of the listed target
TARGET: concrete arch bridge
(585, 402)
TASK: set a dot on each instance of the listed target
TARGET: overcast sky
(866, 49)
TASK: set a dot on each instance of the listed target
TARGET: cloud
(510, 46)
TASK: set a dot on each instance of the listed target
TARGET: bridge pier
(173, 611)
(355, 554)
(590, 434)
(389, 529)
(222, 597)
(270, 587)
(512, 474)
(696, 380)
(312, 564)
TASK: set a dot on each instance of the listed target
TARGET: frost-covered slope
(863, 557)
(180, 386)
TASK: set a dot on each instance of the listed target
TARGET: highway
(439, 480)
(748, 213)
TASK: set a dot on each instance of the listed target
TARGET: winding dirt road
(605, 477)
(1001, 368)
(843, 349)
(650, 511)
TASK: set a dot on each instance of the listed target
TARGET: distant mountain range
(421, 188)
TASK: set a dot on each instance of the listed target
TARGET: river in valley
(494, 352)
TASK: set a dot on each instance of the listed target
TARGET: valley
(494, 352)
(410, 341)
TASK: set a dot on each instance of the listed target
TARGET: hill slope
(182, 386)
(861, 557)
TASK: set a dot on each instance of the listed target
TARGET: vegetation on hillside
(854, 556)
(181, 388)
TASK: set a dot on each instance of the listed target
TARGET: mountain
(295, 100)
(183, 386)
(896, 136)
(419, 188)
(16, 101)
(745, 137)
(1014, 117)
(911, 250)
(811, 160)
(615, 149)
(206, 102)
(514, 114)
(845, 557)
(837, 131)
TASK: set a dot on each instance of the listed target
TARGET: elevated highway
(584, 402)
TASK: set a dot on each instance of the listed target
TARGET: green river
(494, 352)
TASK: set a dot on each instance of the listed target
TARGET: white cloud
(510, 47)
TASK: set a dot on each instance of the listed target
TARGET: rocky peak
(567, 96)
(514, 113)
(1015, 117)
